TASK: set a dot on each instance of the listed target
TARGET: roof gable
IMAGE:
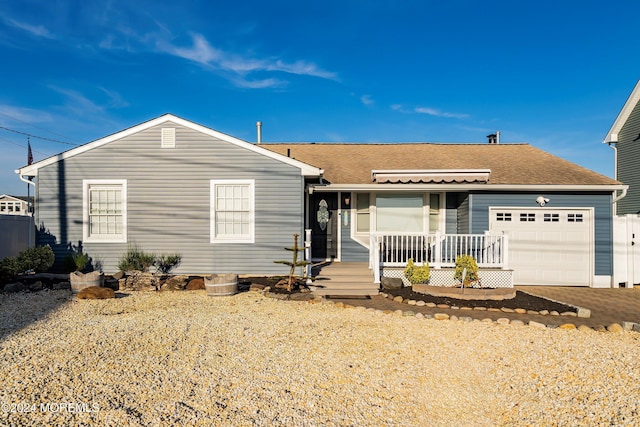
(623, 116)
(305, 169)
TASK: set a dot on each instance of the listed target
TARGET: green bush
(468, 262)
(76, 261)
(38, 259)
(135, 259)
(167, 262)
(9, 269)
(416, 274)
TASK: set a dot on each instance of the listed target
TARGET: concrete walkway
(607, 305)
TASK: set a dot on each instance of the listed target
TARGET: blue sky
(554, 74)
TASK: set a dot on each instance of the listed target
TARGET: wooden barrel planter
(221, 284)
(79, 281)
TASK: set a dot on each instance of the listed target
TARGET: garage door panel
(551, 247)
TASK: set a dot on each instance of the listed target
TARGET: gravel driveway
(182, 358)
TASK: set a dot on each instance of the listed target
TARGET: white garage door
(547, 246)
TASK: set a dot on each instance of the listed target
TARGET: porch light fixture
(347, 200)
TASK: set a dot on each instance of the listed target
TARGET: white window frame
(250, 237)
(103, 238)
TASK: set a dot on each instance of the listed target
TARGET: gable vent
(168, 138)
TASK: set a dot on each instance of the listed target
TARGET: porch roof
(510, 164)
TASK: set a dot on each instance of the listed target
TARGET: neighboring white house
(14, 205)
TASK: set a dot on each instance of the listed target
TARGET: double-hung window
(232, 211)
(105, 210)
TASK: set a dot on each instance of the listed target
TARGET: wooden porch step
(344, 279)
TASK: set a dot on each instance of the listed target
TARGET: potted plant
(80, 280)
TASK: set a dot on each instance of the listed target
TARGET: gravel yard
(182, 358)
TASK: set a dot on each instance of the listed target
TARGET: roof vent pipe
(259, 129)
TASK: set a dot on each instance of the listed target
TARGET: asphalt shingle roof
(516, 164)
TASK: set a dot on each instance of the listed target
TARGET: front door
(323, 220)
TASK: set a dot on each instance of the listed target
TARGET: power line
(23, 146)
(38, 137)
(32, 125)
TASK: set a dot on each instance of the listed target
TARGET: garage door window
(503, 216)
(527, 217)
(551, 217)
(573, 217)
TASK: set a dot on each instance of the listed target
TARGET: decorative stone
(139, 281)
(584, 312)
(453, 307)
(419, 316)
(96, 292)
(507, 310)
(431, 304)
(420, 303)
(466, 319)
(466, 308)
(441, 316)
(584, 328)
(537, 324)
(442, 305)
(398, 299)
(520, 310)
(554, 313)
(544, 312)
(398, 313)
(493, 309)
(480, 308)
(198, 284)
(599, 328)
(568, 314)
(61, 286)
(408, 313)
(487, 320)
(119, 275)
(175, 283)
(615, 327)
(412, 302)
(567, 326)
(517, 322)
(533, 312)
(36, 286)
(340, 304)
(390, 283)
(453, 318)
(14, 287)
(502, 321)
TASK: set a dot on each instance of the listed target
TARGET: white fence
(626, 251)
(439, 250)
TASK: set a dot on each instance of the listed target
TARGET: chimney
(494, 138)
(259, 129)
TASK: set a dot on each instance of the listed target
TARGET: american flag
(29, 154)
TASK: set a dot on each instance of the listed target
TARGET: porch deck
(343, 278)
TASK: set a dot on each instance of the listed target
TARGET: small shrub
(9, 269)
(415, 274)
(38, 259)
(77, 261)
(468, 262)
(135, 259)
(167, 262)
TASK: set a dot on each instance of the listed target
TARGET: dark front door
(323, 219)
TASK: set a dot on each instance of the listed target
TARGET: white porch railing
(439, 250)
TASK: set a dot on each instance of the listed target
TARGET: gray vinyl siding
(169, 201)
(601, 203)
(628, 161)
(463, 218)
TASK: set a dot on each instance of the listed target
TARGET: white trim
(86, 183)
(623, 116)
(305, 169)
(415, 175)
(603, 282)
(252, 223)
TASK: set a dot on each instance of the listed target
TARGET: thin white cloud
(77, 101)
(240, 66)
(367, 100)
(438, 113)
(36, 30)
(10, 113)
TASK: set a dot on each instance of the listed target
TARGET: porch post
(307, 253)
(437, 262)
(375, 255)
(505, 250)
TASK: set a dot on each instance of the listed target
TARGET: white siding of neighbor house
(169, 201)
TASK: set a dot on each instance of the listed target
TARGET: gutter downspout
(32, 216)
(622, 195)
